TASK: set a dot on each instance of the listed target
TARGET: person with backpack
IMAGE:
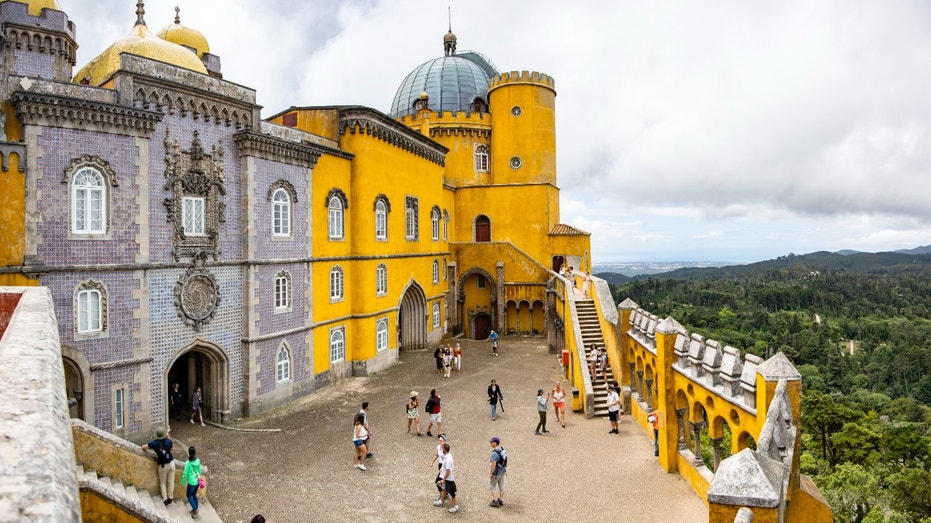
(364, 414)
(161, 445)
(433, 410)
(499, 469)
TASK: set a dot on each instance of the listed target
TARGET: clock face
(516, 162)
(516, 110)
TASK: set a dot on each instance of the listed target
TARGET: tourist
(438, 459)
(457, 357)
(177, 402)
(603, 365)
(541, 410)
(364, 414)
(498, 472)
(586, 283)
(592, 361)
(448, 478)
(161, 445)
(413, 412)
(494, 342)
(559, 403)
(433, 411)
(359, 435)
(197, 406)
(614, 407)
(494, 395)
(447, 361)
(653, 418)
(438, 357)
(191, 478)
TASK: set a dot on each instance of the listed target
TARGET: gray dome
(452, 82)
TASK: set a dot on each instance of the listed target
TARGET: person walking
(447, 361)
(191, 478)
(614, 407)
(364, 414)
(433, 411)
(498, 472)
(413, 412)
(161, 445)
(494, 394)
(653, 418)
(541, 410)
(457, 358)
(592, 361)
(359, 435)
(586, 283)
(197, 406)
(438, 357)
(438, 459)
(559, 403)
(494, 342)
(448, 478)
(177, 401)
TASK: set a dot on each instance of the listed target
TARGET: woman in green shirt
(191, 478)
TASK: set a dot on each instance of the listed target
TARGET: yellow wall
(13, 215)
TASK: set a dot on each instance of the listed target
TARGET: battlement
(522, 77)
(446, 117)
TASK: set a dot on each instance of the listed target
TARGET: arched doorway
(412, 318)
(482, 229)
(481, 326)
(558, 262)
(79, 383)
(201, 364)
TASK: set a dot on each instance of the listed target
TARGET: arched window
(336, 218)
(411, 212)
(281, 213)
(282, 291)
(381, 280)
(436, 315)
(381, 221)
(381, 334)
(482, 229)
(337, 345)
(436, 272)
(445, 225)
(88, 202)
(481, 158)
(283, 366)
(336, 283)
(435, 224)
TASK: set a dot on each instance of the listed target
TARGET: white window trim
(436, 272)
(342, 341)
(381, 214)
(336, 219)
(119, 408)
(381, 280)
(435, 225)
(283, 278)
(337, 286)
(436, 315)
(381, 334)
(481, 158)
(281, 225)
(100, 189)
(199, 208)
(282, 365)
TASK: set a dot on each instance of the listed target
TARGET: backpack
(502, 458)
(431, 404)
(163, 452)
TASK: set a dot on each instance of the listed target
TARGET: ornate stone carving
(282, 184)
(194, 173)
(92, 285)
(337, 192)
(197, 294)
(90, 160)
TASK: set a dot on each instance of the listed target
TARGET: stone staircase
(591, 333)
(140, 502)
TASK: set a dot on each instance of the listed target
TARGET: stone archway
(412, 318)
(79, 383)
(204, 364)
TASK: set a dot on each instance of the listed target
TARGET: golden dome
(180, 34)
(140, 41)
(36, 6)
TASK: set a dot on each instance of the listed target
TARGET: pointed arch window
(435, 223)
(336, 284)
(337, 345)
(445, 225)
(283, 364)
(381, 280)
(436, 272)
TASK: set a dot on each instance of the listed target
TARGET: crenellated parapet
(524, 78)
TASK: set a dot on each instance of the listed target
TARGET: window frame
(337, 345)
(85, 308)
(119, 408)
(99, 189)
(436, 272)
(282, 367)
(199, 210)
(281, 225)
(282, 292)
(435, 224)
(337, 284)
(411, 216)
(381, 280)
(436, 315)
(381, 335)
(381, 221)
(335, 219)
(482, 156)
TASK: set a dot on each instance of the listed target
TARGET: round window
(515, 110)
(515, 162)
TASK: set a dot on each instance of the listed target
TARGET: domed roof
(36, 6)
(140, 41)
(180, 34)
(452, 83)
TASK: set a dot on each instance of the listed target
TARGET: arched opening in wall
(510, 317)
(524, 325)
(482, 228)
(716, 444)
(74, 388)
(481, 326)
(201, 364)
(537, 320)
(558, 262)
(745, 441)
(412, 318)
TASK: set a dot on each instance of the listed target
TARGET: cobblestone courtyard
(305, 472)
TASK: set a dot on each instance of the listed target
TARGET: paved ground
(305, 472)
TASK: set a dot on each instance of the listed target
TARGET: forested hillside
(858, 328)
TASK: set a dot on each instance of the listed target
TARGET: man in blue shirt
(494, 342)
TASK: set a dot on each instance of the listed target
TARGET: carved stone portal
(194, 174)
(197, 294)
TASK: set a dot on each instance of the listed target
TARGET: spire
(140, 12)
(177, 15)
(449, 41)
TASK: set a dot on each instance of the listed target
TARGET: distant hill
(917, 250)
(823, 261)
(614, 277)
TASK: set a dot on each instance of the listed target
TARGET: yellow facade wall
(13, 220)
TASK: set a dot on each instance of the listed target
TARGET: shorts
(358, 442)
(559, 404)
(436, 418)
(612, 415)
(497, 481)
(450, 487)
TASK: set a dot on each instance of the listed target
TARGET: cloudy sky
(722, 131)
